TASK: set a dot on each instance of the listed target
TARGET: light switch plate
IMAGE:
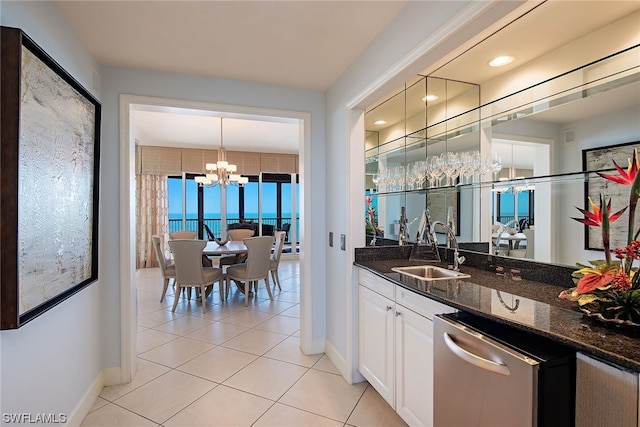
(331, 238)
(343, 240)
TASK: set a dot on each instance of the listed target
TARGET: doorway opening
(127, 137)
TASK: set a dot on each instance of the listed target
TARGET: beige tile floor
(232, 366)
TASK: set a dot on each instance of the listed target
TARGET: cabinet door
(605, 395)
(414, 367)
(375, 341)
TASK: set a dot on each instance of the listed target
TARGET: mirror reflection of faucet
(512, 274)
(427, 234)
(511, 308)
(402, 233)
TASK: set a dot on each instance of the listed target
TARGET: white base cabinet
(414, 367)
(395, 346)
(375, 341)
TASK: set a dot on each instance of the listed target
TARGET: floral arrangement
(610, 289)
(372, 224)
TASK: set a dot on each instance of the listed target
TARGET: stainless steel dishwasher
(488, 374)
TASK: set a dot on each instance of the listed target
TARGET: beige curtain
(152, 216)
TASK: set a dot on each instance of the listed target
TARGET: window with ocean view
(205, 205)
(509, 202)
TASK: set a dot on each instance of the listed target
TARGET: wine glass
(452, 167)
(466, 166)
(496, 165)
(422, 173)
(375, 179)
(436, 169)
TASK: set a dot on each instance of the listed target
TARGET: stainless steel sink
(430, 272)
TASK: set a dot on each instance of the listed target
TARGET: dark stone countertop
(539, 310)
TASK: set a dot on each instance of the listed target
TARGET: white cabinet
(414, 367)
(395, 346)
(605, 394)
(375, 341)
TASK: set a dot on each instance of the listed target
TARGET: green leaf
(587, 298)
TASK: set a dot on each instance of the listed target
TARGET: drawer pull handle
(474, 359)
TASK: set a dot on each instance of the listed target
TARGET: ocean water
(229, 215)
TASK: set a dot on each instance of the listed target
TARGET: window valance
(151, 160)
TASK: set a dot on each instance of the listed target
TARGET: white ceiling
(547, 27)
(174, 127)
(302, 44)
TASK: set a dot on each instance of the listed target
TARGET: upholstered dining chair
(189, 270)
(274, 262)
(206, 261)
(240, 234)
(168, 270)
(210, 234)
(237, 235)
(285, 227)
(183, 235)
(256, 267)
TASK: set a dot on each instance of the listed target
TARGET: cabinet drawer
(421, 304)
(376, 283)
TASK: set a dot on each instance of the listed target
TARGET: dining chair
(167, 269)
(274, 262)
(189, 270)
(256, 267)
(285, 227)
(240, 234)
(237, 235)
(210, 234)
(183, 235)
(530, 243)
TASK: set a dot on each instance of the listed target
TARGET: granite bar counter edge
(537, 283)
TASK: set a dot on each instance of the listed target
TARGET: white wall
(385, 64)
(51, 363)
(48, 365)
(117, 81)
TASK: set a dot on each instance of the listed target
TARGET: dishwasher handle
(474, 359)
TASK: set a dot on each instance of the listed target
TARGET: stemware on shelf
(470, 166)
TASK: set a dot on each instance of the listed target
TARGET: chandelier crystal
(221, 173)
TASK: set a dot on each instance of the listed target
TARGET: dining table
(231, 247)
(214, 249)
(513, 240)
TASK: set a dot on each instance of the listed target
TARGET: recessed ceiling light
(500, 61)
(430, 98)
(380, 122)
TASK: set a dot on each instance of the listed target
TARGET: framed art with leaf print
(601, 160)
(50, 128)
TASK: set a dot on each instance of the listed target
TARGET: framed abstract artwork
(50, 128)
(601, 159)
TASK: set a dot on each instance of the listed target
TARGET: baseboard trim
(348, 372)
(112, 376)
(85, 404)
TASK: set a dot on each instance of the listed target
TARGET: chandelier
(221, 173)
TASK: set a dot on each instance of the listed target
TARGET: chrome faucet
(457, 258)
(425, 234)
(375, 233)
(499, 233)
(402, 233)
